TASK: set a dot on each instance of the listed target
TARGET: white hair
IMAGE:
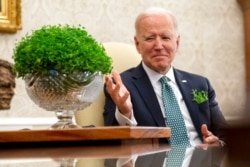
(155, 11)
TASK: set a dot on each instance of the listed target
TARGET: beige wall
(212, 40)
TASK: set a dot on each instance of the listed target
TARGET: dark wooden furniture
(79, 147)
(83, 136)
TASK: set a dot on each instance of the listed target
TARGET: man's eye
(166, 38)
(149, 38)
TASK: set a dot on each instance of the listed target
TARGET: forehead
(156, 22)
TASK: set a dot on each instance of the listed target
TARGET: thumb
(205, 132)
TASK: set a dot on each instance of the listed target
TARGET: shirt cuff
(123, 120)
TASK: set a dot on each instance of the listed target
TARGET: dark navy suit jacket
(146, 107)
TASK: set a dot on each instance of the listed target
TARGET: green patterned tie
(176, 156)
(173, 117)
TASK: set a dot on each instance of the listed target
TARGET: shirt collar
(170, 74)
(155, 76)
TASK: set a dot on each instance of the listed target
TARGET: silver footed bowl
(64, 93)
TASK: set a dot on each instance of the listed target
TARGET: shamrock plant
(65, 49)
(199, 96)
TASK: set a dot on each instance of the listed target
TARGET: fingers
(116, 76)
(204, 130)
(211, 140)
(116, 89)
(208, 137)
(113, 86)
(119, 93)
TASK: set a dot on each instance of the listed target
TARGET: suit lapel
(142, 83)
(185, 87)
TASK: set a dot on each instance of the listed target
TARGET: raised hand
(119, 93)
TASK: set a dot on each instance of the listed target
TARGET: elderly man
(157, 94)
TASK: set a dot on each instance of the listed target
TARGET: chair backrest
(124, 56)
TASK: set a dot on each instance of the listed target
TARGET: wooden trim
(85, 134)
(245, 4)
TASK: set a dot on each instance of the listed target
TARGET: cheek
(145, 49)
(141, 48)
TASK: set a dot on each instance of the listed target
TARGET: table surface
(106, 153)
(95, 156)
(59, 146)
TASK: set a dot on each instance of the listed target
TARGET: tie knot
(164, 80)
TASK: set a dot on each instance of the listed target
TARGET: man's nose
(158, 43)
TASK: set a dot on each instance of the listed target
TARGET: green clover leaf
(199, 96)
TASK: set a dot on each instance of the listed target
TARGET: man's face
(157, 42)
(7, 85)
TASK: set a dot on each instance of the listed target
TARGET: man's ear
(136, 42)
(177, 42)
